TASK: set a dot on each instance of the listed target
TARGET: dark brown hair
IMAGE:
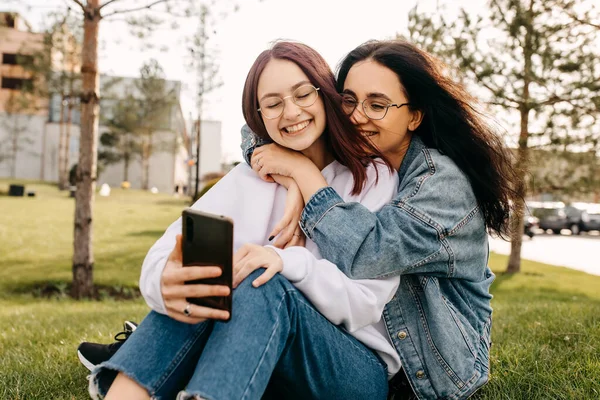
(342, 139)
(451, 123)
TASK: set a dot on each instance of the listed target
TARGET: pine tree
(536, 68)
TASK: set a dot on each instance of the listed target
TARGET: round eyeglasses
(272, 107)
(375, 109)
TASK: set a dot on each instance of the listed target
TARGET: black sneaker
(92, 354)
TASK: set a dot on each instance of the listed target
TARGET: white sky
(332, 27)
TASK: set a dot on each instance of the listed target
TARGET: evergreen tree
(537, 69)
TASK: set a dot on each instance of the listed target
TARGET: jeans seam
(262, 358)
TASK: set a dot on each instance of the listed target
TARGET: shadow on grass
(181, 202)
(542, 295)
(501, 277)
(152, 233)
(62, 290)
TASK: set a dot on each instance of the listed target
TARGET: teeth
(368, 133)
(297, 127)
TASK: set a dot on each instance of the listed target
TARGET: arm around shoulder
(250, 141)
(406, 236)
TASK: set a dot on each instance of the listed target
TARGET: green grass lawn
(546, 329)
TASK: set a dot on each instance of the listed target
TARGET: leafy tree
(17, 111)
(54, 68)
(155, 104)
(566, 175)
(142, 16)
(121, 141)
(536, 68)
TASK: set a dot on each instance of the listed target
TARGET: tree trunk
(517, 223)
(66, 158)
(146, 153)
(83, 258)
(198, 148)
(61, 144)
(43, 153)
(15, 147)
(126, 167)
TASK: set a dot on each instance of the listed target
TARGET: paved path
(577, 252)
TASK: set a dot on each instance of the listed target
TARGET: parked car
(592, 223)
(532, 223)
(558, 218)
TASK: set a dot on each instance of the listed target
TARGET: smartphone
(207, 240)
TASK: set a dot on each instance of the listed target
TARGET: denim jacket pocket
(466, 330)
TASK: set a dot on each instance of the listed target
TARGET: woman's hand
(273, 159)
(249, 258)
(175, 291)
(288, 227)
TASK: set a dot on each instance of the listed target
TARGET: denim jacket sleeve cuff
(317, 207)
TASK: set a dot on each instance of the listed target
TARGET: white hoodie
(256, 206)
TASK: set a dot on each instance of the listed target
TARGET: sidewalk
(577, 252)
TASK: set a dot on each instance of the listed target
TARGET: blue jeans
(276, 344)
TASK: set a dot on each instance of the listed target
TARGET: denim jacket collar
(414, 149)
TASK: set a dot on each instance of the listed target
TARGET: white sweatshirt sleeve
(240, 195)
(351, 303)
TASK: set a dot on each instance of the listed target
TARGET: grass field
(546, 329)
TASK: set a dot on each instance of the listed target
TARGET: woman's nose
(291, 110)
(358, 117)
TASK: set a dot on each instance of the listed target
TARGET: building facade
(30, 140)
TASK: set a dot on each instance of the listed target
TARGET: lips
(296, 128)
(368, 133)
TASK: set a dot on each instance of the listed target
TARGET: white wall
(210, 147)
(167, 168)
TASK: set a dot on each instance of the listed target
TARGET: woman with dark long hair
(455, 184)
(299, 327)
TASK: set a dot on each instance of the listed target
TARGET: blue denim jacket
(433, 234)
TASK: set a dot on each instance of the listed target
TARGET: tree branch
(80, 4)
(146, 7)
(502, 104)
(105, 4)
(582, 21)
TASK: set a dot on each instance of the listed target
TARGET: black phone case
(208, 241)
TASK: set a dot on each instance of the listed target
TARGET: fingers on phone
(193, 273)
(201, 290)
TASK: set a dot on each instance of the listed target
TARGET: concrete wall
(38, 158)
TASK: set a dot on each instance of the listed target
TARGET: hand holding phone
(175, 291)
(208, 241)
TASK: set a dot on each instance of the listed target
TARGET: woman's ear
(416, 117)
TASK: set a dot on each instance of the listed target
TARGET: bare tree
(142, 15)
(206, 73)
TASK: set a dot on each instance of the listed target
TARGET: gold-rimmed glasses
(373, 108)
(272, 107)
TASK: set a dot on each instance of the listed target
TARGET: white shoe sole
(85, 362)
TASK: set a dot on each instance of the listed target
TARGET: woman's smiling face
(297, 127)
(370, 80)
